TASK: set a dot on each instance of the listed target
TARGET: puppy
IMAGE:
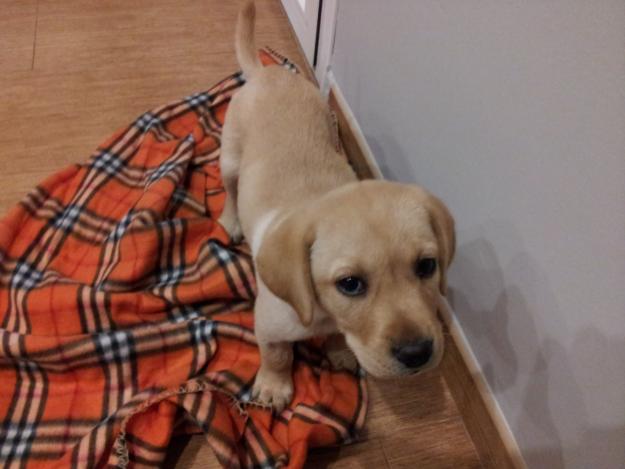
(332, 254)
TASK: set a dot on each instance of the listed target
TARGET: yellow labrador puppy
(333, 255)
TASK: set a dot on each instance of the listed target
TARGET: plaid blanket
(126, 316)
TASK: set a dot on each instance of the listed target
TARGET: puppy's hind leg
(230, 161)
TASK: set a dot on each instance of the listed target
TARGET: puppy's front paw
(273, 389)
(232, 226)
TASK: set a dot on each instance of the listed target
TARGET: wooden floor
(73, 71)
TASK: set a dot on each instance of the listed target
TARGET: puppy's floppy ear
(283, 263)
(443, 225)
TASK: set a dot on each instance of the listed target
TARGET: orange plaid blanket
(126, 316)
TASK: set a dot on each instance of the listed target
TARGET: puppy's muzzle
(415, 353)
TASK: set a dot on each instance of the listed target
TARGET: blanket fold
(126, 314)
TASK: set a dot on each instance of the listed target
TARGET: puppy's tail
(245, 45)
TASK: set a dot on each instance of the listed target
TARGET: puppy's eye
(351, 286)
(425, 267)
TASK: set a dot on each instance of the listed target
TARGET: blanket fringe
(121, 445)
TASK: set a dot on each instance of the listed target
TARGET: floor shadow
(177, 446)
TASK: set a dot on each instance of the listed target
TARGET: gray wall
(514, 113)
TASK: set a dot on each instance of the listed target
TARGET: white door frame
(304, 22)
(303, 18)
(325, 42)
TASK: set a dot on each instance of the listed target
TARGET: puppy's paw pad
(272, 391)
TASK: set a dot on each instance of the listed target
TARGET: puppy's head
(373, 255)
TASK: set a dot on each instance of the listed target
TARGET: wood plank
(17, 34)
(98, 65)
(488, 441)
(362, 455)
(418, 423)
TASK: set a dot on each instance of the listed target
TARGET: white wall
(514, 113)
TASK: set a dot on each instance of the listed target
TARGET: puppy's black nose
(415, 353)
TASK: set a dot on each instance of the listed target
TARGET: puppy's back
(287, 134)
